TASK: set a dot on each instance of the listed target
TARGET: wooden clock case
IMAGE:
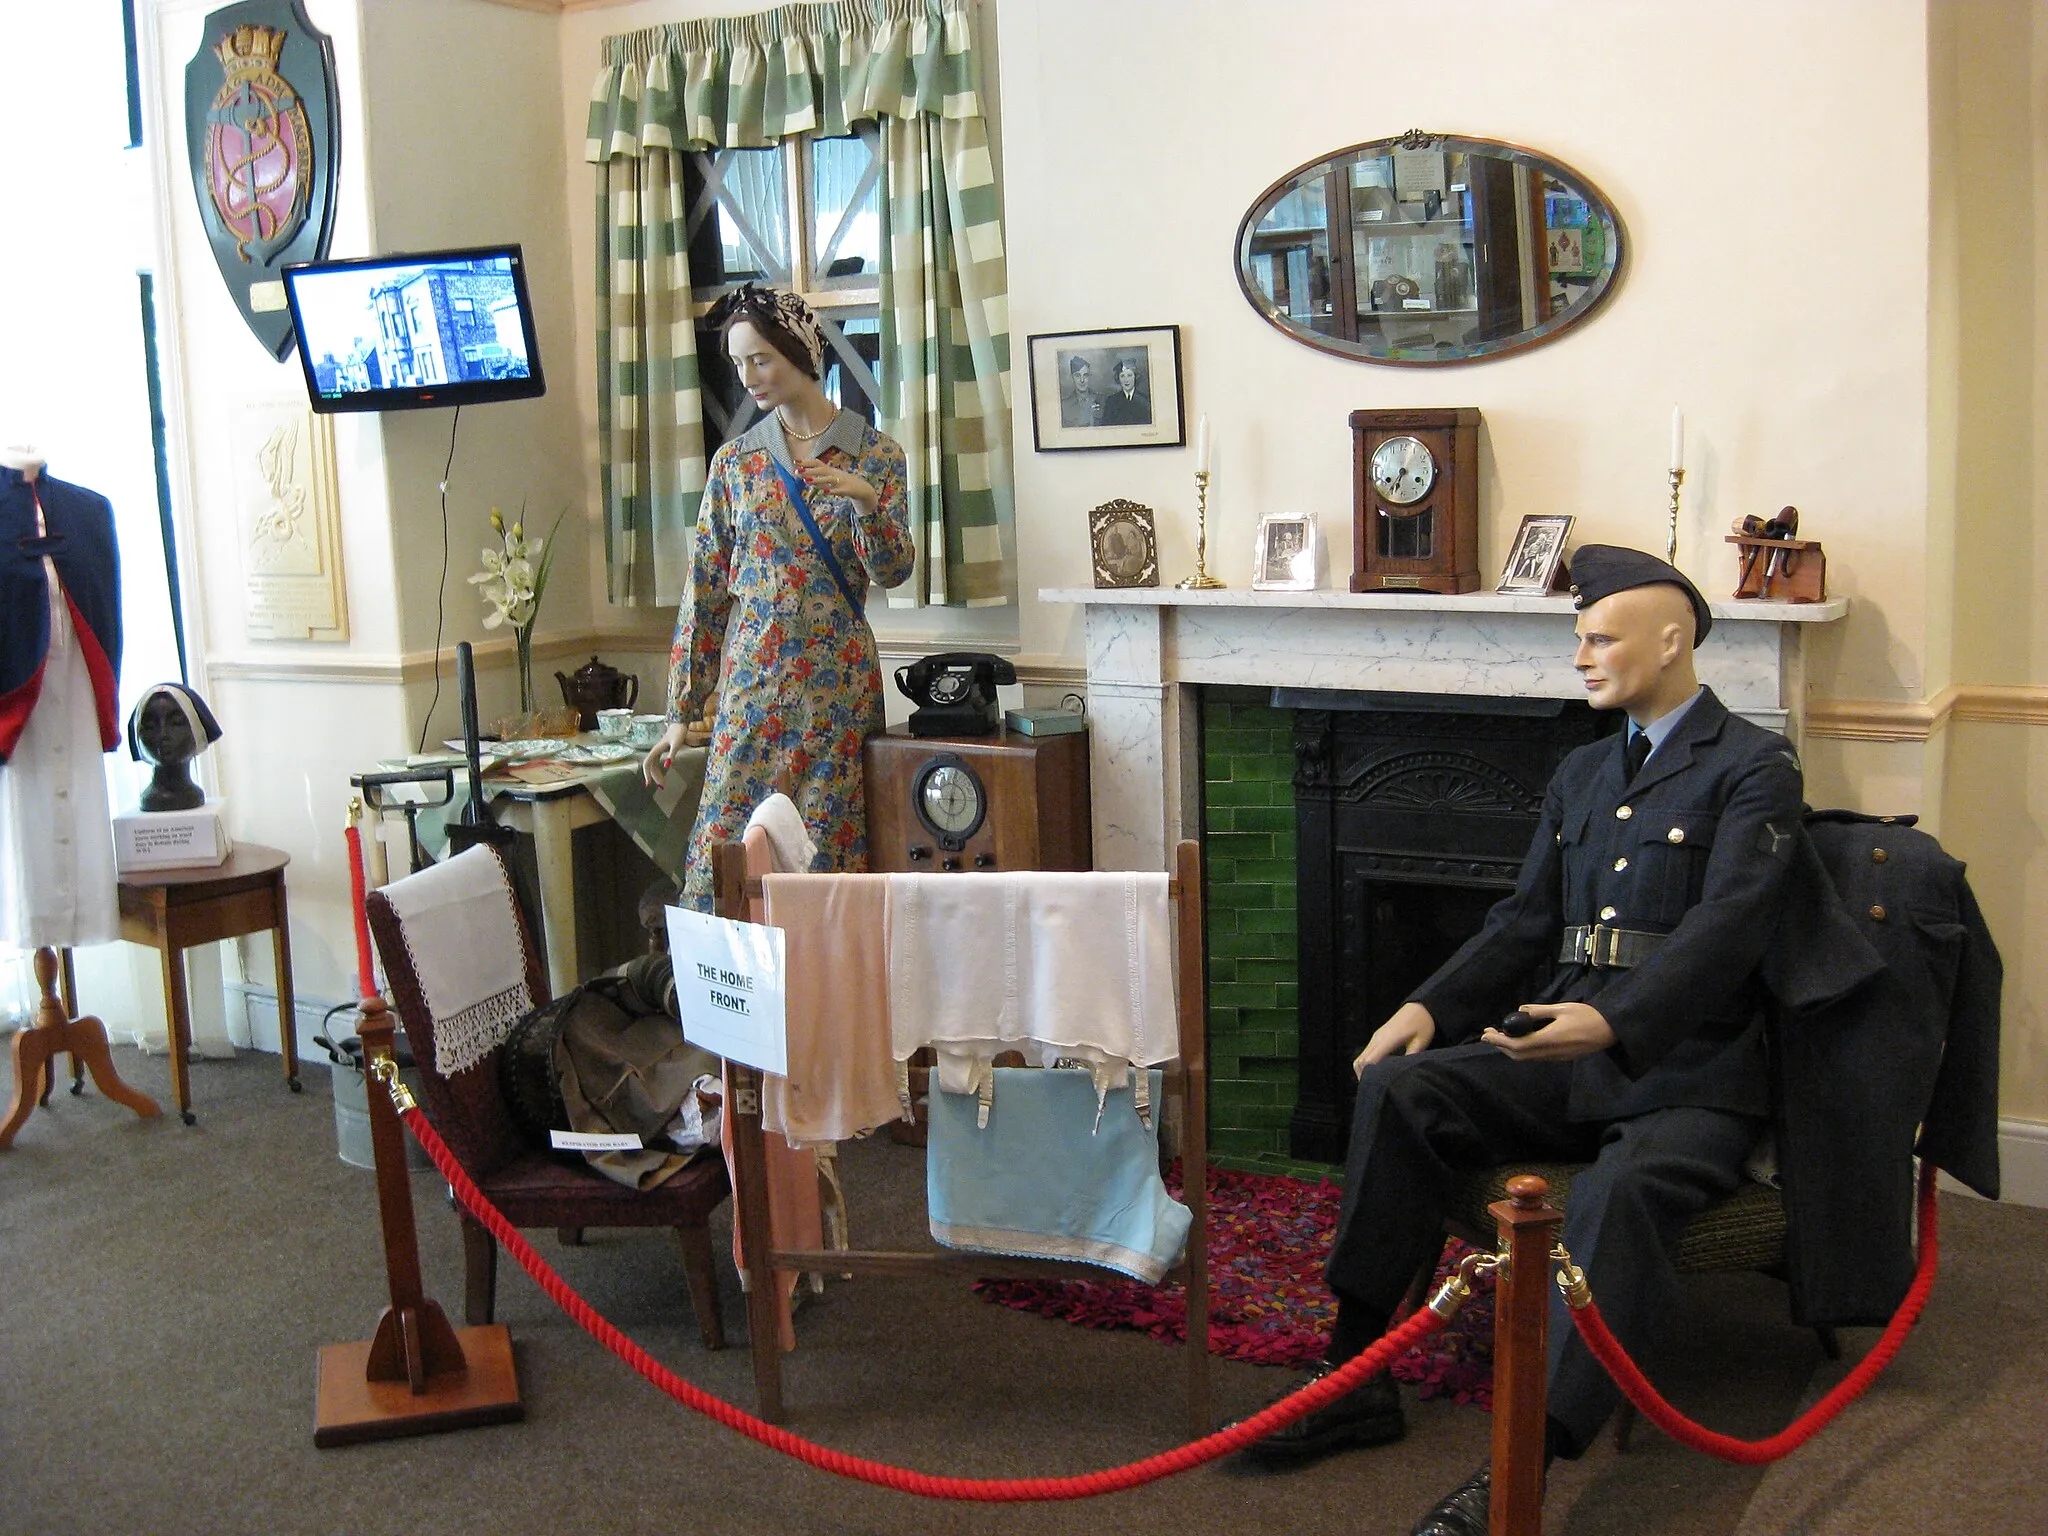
(1448, 513)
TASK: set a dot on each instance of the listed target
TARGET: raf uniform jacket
(1695, 848)
(1885, 987)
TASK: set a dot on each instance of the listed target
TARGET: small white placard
(1415, 303)
(267, 298)
(730, 988)
(594, 1141)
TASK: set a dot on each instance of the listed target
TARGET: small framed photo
(1532, 568)
(1285, 556)
(1123, 545)
(1107, 389)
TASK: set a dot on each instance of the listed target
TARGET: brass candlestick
(1671, 543)
(1201, 581)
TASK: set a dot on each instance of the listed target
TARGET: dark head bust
(169, 726)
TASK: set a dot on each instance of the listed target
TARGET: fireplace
(1157, 656)
(1412, 813)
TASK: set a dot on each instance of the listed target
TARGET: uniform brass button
(1608, 914)
(1877, 913)
(1620, 865)
(1623, 812)
(1878, 855)
(1887, 820)
(1675, 835)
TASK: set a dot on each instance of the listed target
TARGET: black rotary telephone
(955, 693)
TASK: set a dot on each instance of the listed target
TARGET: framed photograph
(1107, 389)
(1123, 545)
(1285, 556)
(1533, 562)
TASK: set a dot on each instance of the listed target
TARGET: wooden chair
(1186, 1084)
(531, 1186)
(1745, 1232)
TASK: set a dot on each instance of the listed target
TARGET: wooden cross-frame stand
(737, 895)
(56, 1033)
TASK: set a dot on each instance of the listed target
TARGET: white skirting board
(252, 1020)
(2022, 1164)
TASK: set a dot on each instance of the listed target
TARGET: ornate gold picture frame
(1123, 545)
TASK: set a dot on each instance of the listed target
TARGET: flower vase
(524, 639)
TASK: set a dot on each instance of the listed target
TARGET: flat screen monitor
(398, 333)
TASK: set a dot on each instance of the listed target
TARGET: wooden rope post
(416, 1374)
(1528, 1226)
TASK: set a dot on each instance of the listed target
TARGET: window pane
(846, 227)
(739, 218)
(853, 355)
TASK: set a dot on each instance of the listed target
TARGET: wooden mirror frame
(1343, 277)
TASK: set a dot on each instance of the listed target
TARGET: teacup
(646, 730)
(615, 724)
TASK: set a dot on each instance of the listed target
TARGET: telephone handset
(955, 692)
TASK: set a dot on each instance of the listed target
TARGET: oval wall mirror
(1429, 249)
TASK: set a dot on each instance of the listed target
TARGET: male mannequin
(1652, 1066)
(60, 652)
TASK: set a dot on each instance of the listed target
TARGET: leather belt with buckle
(1609, 948)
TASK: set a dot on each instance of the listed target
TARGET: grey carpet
(164, 1291)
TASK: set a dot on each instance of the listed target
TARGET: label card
(730, 988)
(595, 1141)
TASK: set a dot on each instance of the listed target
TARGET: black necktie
(1638, 751)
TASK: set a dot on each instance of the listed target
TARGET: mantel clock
(1415, 500)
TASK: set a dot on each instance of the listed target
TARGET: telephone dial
(955, 693)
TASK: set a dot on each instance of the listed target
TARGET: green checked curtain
(908, 67)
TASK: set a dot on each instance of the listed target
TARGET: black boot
(1366, 1415)
(1461, 1512)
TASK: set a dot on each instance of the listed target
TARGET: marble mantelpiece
(1149, 648)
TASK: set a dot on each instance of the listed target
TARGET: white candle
(1202, 446)
(1677, 438)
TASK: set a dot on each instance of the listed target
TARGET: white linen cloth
(790, 839)
(462, 931)
(1081, 963)
(58, 884)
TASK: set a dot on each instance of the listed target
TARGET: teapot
(595, 686)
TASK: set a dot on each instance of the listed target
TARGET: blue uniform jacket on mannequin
(1696, 847)
(80, 543)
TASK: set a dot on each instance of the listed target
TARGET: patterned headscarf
(771, 311)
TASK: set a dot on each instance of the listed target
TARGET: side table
(171, 910)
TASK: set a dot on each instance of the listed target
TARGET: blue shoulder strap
(795, 489)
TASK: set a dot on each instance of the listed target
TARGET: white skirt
(57, 878)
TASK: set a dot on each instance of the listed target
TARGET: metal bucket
(352, 1101)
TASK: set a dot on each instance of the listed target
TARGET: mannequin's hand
(1573, 1030)
(655, 765)
(821, 476)
(1409, 1030)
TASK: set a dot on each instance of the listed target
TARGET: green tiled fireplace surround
(1248, 848)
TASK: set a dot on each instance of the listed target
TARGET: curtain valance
(744, 82)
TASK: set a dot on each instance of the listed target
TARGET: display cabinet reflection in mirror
(1429, 249)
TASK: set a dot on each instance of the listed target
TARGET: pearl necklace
(795, 436)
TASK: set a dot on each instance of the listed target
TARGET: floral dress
(801, 688)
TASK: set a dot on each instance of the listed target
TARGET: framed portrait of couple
(1536, 559)
(1118, 388)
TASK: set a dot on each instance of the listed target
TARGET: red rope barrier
(925, 1485)
(1607, 1349)
(358, 884)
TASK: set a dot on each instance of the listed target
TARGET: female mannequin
(773, 617)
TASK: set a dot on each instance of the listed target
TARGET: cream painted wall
(1814, 367)
(440, 147)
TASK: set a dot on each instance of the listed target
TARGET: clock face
(949, 799)
(1403, 470)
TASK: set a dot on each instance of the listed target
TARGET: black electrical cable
(441, 591)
